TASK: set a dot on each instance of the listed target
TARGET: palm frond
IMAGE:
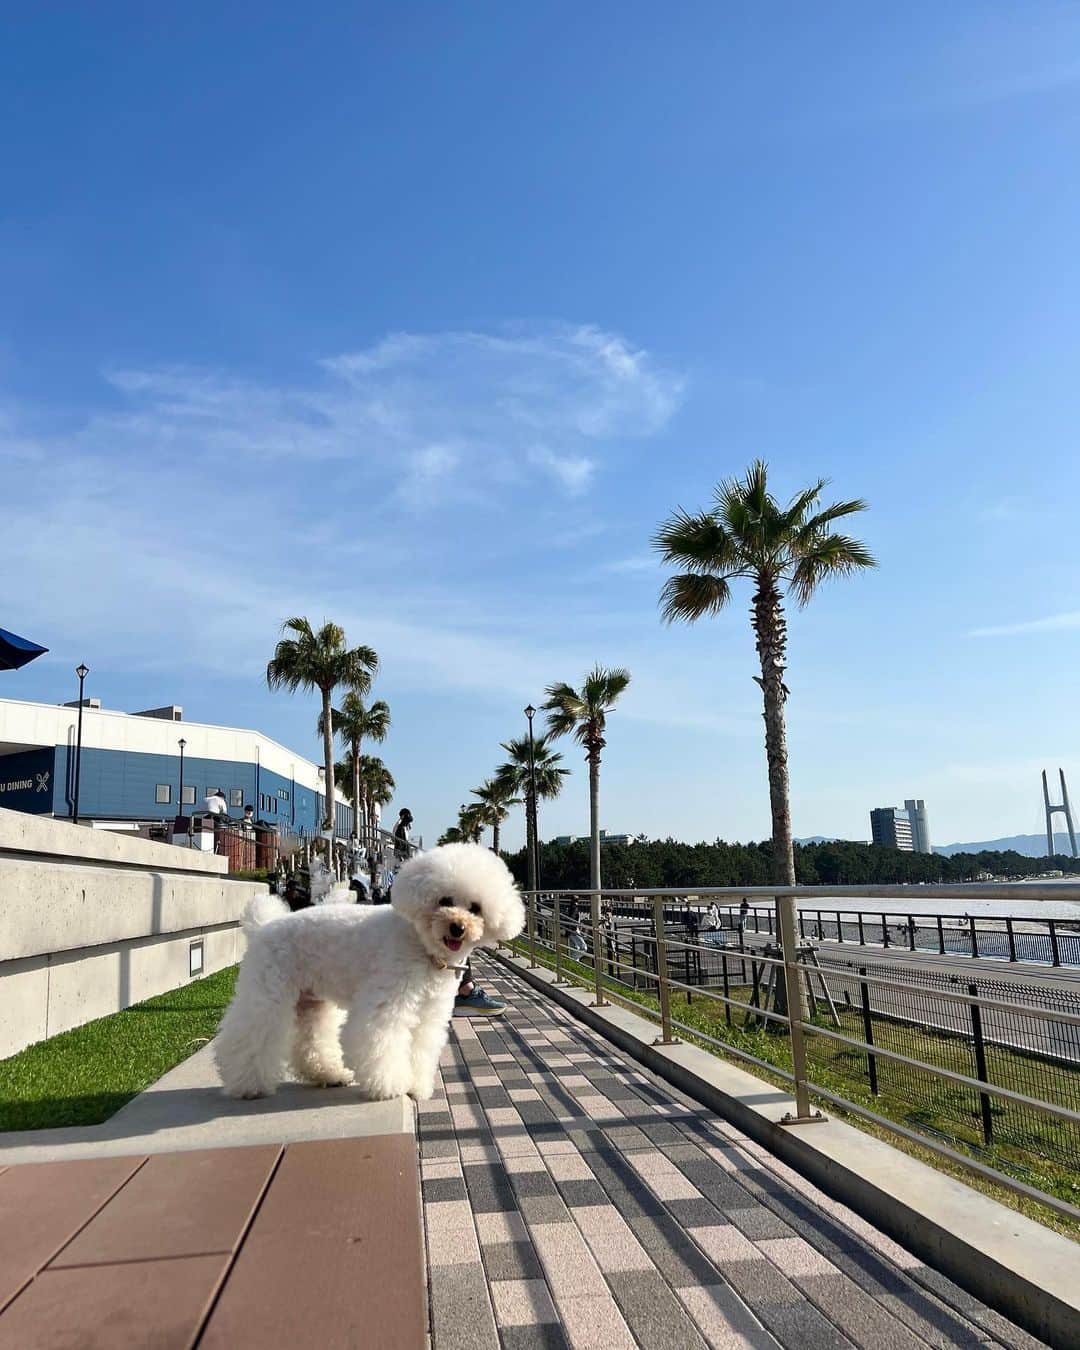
(794, 514)
(699, 542)
(547, 764)
(833, 556)
(603, 687)
(692, 596)
(837, 511)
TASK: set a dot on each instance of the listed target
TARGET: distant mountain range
(1029, 845)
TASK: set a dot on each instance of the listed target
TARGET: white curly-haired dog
(391, 970)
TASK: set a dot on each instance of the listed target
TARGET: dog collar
(445, 965)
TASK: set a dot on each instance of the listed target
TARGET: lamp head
(530, 712)
(181, 742)
(82, 671)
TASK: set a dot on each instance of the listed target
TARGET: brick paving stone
(654, 1313)
(522, 1303)
(723, 1319)
(574, 1202)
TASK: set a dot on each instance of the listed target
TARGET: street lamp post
(180, 788)
(532, 843)
(82, 671)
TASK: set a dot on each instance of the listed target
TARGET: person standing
(472, 1001)
(401, 834)
(215, 805)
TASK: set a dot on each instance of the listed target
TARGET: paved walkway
(573, 1199)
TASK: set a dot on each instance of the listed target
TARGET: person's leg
(471, 999)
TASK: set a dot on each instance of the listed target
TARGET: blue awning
(17, 651)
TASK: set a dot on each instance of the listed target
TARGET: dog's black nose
(456, 930)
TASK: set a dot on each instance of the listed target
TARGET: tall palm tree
(376, 784)
(471, 821)
(583, 714)
(783, 550)
(321, 660)
(356, 722)
(522, 765)
(496, 797)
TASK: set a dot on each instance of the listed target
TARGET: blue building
(130, 768)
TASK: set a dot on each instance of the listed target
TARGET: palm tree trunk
(328, 759)
(594, 812)
(356, 789)
(770, 629)
(495, 836)
(374, 845)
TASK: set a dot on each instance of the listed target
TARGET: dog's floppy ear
(463, 871)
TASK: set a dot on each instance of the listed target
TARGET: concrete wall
(22, 834)
(91, 923)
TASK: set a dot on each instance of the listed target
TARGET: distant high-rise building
(920, 824)
(891, 828)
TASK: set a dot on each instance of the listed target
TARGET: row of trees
(746, 535)
(534, 767)
(670, 863)
(322, 661)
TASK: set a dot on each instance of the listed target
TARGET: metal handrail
(604, 954)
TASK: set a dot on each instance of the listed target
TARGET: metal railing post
(868, 1030)
(665, 1038)
(981, 1073)
(1054, 950)
(557, 914)
(974, 936)
(1012, 939)
(532, 930)
(787, 911)
(597, 949)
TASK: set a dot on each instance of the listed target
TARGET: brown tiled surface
(311, 1244)
(572, 1199)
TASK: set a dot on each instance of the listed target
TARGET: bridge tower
(1063, 810)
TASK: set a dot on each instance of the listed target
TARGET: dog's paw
(383, 1089)
(346, 1078)
(422, 1092)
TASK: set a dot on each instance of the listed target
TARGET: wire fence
(985, 1070)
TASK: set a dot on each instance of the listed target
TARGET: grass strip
(83, 1076)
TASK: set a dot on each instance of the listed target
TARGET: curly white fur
(387, 971)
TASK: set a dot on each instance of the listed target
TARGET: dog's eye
(446, 902)
(474, 909)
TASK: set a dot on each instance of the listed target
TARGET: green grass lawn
(83, 1076)
(1032, 1147)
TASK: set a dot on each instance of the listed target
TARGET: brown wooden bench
(309, 1244)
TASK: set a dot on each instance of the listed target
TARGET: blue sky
(421, 317)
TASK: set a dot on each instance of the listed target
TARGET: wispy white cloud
(1051, 623)
(640, 562)
(204, 507)
(573, 472)
(553, 399)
